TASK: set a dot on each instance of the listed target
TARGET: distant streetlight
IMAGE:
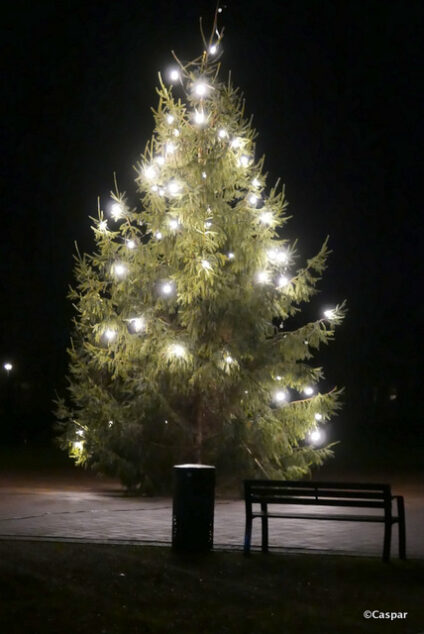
(8, 367)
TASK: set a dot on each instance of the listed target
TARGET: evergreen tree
(182, 349)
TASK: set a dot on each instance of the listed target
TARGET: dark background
(336, 90)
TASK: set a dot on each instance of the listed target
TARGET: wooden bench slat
(315, 483)
(318, 502)
(317, 516)
(321, 493)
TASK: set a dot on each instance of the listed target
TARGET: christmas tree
(182, 349)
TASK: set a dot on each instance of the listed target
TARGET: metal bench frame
(330, 494)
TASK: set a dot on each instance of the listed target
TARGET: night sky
(336, 90)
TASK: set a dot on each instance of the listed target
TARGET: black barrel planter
(193, 508)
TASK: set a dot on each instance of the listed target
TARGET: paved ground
(86, 510)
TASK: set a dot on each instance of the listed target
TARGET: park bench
(259, 494)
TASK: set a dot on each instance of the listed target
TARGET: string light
(80, 432)
(110, 423)
(199, 117)
(229, 359)
(103, 225)
(244, 160)
(150, 172)
(78, 445)
(208, 224)
(160, 160)
(255, 182)
(131, 244)
(176, 132)
(316, 436)
(213, 49)
(236, 143)
(253, 199)
(266, 217)
(177, 350)
(308, 390)
(161, 191)
(206, 265)
(138, 324)
(318, 416)
(231, 255)
(8, 366)
(170, 148)
(329, 314)
(116, 211)
(154, 188)
(282, 281)
(277, 256)
(110, 334)
(158, 235)
(200, 89)
(119, 269)
(222, 133)
(262, 277)
(174, 188)
(174, 223)
(167, 288)
(278, 378)
(174, 74)
(170, 118)
(280, 396)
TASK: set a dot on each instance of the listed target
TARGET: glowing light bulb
(78, 445)
(199, 117)
(253, 199)
(80, 432)
(262, 277)
(154, 188)
(174, 74)
(174, 188)
(204, 175)
(138, 324)
(230, 255)
(110, 423)
(176, 132)
(280, 396)
(278, 378)
(116, 211)
(110, 334)
(160, 160)
(244, 160)
(329, 314)
(103, 225)
(277, 256)
(229, 359)
(173, 224)
(131, 244)
(8, 366)
(170, 118)
(200, 89)
(318, 416)
(308, 390)
(222, 133)
(208, 224)
(161, 191)
(255, 182)
(158, 235)
(266, 218)
(170, 148)
(213, 49)
(177, 350)
(119, 269)
(316, 436)
(167, 288)
(236, 143)
(150, 172)
(206, 265)
(282, 281)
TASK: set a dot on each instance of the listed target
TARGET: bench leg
(387, 540)
(401, 524)
(264, 534)
(247, 535)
